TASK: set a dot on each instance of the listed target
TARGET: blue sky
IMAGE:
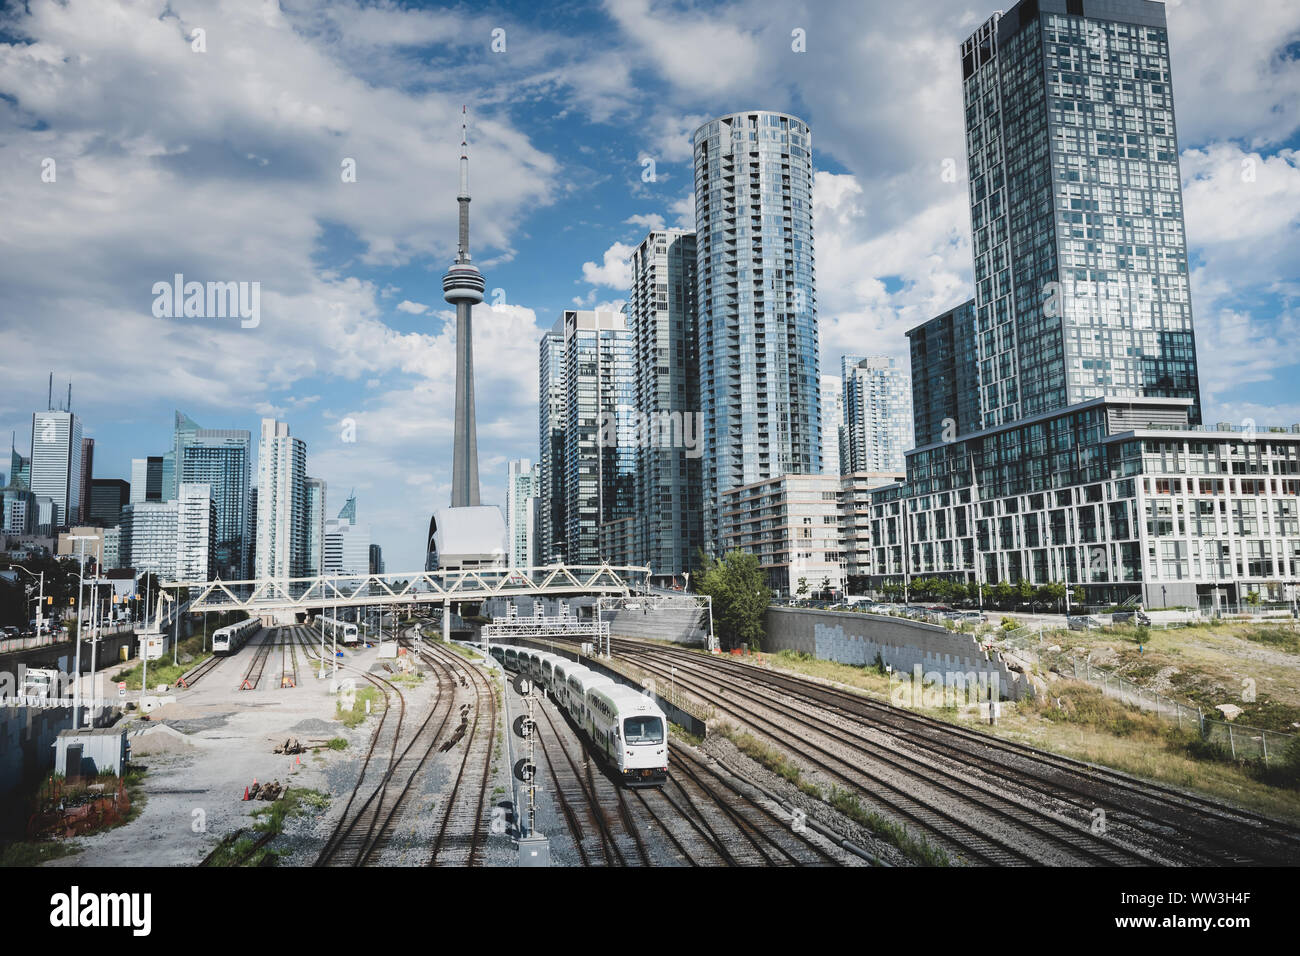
(224, 165)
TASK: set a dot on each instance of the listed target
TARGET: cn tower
(463, 286)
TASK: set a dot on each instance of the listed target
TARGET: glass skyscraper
(281, 548)
(945, 376)
(219, 458)
(877, 404)
(1081, 286)
(521, 492)
(599, 429)
(668, 530)
(759, 376)
(314, 514)
(56, 463)
(550, 526)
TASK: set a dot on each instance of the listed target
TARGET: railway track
(351, 833)
(705, 818)
(288, 662)
(1162, 824)
(462, 830)
(380, 796)
(203, 669)
(253, 676)
(1179, 826)
(965, 821)
(1221, 833)
(574, 781)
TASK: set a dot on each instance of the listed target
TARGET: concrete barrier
(862, 639)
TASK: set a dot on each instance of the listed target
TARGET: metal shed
(86, 753)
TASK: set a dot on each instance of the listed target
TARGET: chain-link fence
(1037, 646)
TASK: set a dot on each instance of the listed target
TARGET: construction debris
(264, 791)
(291, 746)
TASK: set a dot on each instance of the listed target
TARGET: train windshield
(643, 730)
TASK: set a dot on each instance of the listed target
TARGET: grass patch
(917, 849)
(1287, 640)
(163, 671)
(1102, 730)
(337, 743)
(773, 759)
(355, 716)
(407, 678)
(24, 853)
(463, 651)
(683, 734)
(296, 802)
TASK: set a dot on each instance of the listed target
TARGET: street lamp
(40, 600)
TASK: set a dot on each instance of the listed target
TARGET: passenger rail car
(229, 639)
(344, 631)
(631, 732)
(625, 727)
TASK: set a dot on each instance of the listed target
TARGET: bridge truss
(411, 588)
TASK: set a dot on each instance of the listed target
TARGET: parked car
(1085, 622)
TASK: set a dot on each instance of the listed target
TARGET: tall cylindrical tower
(759, 377)
(463, 287)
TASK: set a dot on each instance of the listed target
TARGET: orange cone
(245, 793)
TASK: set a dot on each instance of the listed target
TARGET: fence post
(1200, 720)
(1232, 746)
(1263, 739)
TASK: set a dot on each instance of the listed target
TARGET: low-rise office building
(1122, 497)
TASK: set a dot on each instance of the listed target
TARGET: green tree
(1025, 591)
(1002, 594)
(740, 598)
(1053, 593)
(802, 590)
(1078, 595)
(826, 586)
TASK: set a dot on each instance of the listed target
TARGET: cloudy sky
(226, 164)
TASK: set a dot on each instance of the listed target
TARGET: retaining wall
(682, 625)
(852, 638)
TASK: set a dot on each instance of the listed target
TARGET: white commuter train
(345, 631)
(625, 726)
(229, 639)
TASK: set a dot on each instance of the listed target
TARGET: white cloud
(649, 222)
(415, 308)
(615, 270)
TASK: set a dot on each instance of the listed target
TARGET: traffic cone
(245, 793)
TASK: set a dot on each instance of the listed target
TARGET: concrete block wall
(683, 625)
(858, 639)
(27, 736)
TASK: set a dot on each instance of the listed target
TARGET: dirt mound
(159, 740)
(314, 725)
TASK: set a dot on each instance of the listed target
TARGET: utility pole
(81, 540)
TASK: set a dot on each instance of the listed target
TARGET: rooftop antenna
(69, 408)
(49, 399)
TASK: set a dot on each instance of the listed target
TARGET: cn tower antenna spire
(462, 253)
